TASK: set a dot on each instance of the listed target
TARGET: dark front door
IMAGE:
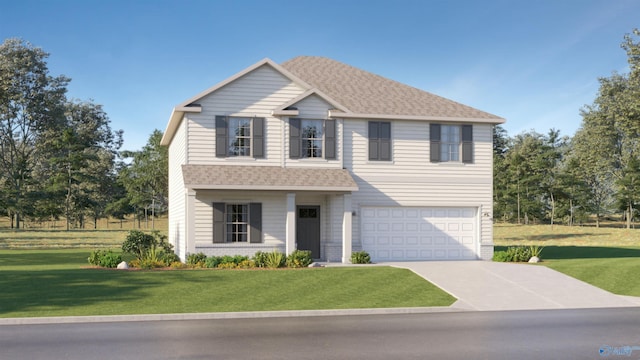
(308, 229)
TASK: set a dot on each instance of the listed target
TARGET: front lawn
(606, 257)
(54, 283)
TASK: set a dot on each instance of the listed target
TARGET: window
(451, 143)
(237, 223)
(312, 138)
(379, 140)
(239, 136)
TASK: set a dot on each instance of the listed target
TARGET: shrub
(227, 265)
(360, 257)
(110, 259)
(104, 258)
(177, 265)
(500, 256)
(275, 259)
(536, 250)
(299, 258)
(137, 243)
(212, 262)
(196, 259)
(169, 258)
(260, 259)
(246, 264)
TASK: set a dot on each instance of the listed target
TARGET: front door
(308, 229)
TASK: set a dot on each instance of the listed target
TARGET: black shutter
(294, 139)
(385, 141)
(374, 131)
(330, 139)
(221, 136)
(218, 222)
(255, 223)
(467, 144)
(258, 138)
(434, 137)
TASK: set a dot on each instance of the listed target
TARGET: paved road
(540, 334)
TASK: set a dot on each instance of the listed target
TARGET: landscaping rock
(123, 265)
(315, 264)
(534, 259)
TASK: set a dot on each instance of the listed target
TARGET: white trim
(309, 93)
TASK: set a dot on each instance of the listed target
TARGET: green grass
(606, 257)
(53, 283)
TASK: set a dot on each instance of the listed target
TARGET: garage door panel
(409, 233)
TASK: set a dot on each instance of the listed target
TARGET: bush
(299, 258)
(104, 258)
(196, 259)
(212, 262)
(500, 256)
(138, 243)
(169, 258)
(275, 259)
(360, 257)
(260, 259)
(515, 254)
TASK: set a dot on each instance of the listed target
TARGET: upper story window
(451, 143)
(380, 140)
(239, 136)
(312, 138)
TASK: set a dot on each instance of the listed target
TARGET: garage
(419, 233)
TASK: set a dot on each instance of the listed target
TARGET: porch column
(290, 242)
(346, 230)
(190, 223)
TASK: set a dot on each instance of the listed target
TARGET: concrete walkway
(491, 286)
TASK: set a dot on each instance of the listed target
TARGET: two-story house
(318, 155)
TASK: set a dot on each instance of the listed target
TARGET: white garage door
(410, 233)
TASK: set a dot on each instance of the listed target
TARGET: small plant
(196, 259)
(536, 250)
(500, 256)
(246, 264)
(177, 265)
(212, 262)
(227, 265)
(299, 259)
(360, 257)
(137, 243)
(260, 258)
(110, 259)
(275, 259)
(104, 258)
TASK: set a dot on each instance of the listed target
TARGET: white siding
(410, 179)
(177, 157)
(255, 94)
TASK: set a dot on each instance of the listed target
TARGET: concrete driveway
(492, 286)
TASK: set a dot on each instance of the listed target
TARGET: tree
(31, 106)
(81, 164)
(146, 177)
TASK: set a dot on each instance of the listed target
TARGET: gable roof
(355, 93)
(365, 93)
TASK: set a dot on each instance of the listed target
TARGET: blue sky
(535, 63)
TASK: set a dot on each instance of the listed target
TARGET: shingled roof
(225, 177)
(362, 92)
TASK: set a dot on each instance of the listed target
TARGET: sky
(534, 63)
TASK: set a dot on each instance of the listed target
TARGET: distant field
(613, 235)
(54, 236)
(102, 224)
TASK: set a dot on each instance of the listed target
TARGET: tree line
(59, 157)
(549, 178)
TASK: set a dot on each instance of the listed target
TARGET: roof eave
(272, 188)
(347, 115)
(174, 121)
